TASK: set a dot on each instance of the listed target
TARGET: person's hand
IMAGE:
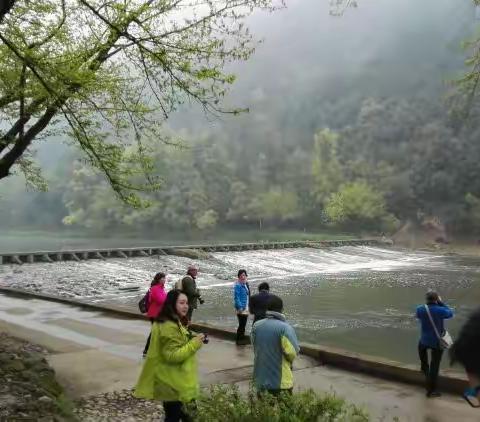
(201, 301)
(200, 338)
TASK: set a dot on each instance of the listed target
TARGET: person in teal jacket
(275, 347)
(169, 372)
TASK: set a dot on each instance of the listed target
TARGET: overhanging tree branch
(97, 77)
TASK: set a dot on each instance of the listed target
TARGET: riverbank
(29, 389)
(28, 240)
(467, 249)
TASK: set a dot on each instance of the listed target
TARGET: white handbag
(446, 340)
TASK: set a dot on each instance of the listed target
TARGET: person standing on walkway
(188, 285)
(275, 347)
(433, 312)
(241, 297)
(169, 372)
(466, 351)
(156, 299)
(258, 302)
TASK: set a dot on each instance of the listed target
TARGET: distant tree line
(397, 160)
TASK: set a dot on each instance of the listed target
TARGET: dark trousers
(275, 393)
(145, 350)
(174, 412)
(189, 313)
(430, 369)
(242, 323)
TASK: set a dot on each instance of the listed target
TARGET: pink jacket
(158, 295)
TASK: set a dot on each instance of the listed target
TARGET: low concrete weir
(80, 254)
(354, 362)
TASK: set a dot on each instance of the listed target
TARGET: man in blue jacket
(241, 298)
(429, 339)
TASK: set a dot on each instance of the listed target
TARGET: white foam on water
(271, 264)
(103, 280)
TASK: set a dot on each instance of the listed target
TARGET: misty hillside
(380, 48)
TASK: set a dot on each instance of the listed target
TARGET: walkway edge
(339, 358)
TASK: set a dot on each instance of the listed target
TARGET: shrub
(226, 403)
(359, 205)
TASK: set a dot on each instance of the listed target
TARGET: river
(357, 298)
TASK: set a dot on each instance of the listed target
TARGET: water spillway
(85, 254)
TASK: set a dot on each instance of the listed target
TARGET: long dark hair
(169, 310)
(157, 279)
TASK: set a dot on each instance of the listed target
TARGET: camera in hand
(201, 301)
(205, 340)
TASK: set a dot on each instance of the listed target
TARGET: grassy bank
(30, 240)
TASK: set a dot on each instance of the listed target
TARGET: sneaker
(433, 394)
(471, 396)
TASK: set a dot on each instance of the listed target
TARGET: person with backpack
(154, 301)
(241, 296)
(188, 285)
(170, 372)
(432, 316)
(275, 347)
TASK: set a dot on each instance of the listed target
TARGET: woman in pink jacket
(156, 299)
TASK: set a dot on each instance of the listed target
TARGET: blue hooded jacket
(241, 295)
(439, 312)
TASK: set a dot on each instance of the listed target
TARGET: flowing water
(358, 298)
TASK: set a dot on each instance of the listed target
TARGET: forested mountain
(353, 122)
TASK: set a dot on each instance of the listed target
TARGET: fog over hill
(393, 60)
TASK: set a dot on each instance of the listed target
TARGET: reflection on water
(357, 298)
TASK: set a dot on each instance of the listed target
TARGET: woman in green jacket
(169, 373)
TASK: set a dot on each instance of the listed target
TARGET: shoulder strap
(432, 322)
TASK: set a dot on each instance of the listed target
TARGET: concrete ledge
(380, 367)
(339, 358)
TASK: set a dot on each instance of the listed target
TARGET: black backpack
(144, 303)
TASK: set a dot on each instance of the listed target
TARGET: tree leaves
(111, 71)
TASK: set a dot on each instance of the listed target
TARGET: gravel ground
(28, 388)
(118, 406)
(29, 392)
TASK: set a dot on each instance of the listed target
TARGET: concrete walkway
(94, 352)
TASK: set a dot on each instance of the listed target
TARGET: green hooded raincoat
(170, 369)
